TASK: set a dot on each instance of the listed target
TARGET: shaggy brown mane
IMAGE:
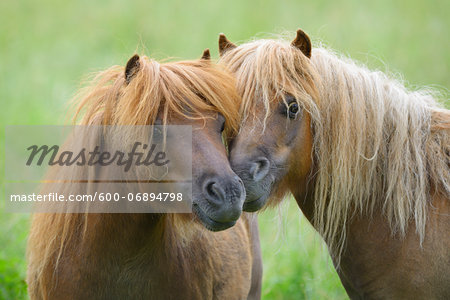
(168, 88)
(156, 89)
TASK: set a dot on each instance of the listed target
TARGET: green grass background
(46, 47)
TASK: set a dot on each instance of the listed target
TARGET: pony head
(343, 139)
(276, 82)
(196, 93)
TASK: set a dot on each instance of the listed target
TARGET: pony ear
(302, 42)
(225, 44)
(132, 67)
(206, 55)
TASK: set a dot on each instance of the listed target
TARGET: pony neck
(122, 229)
(373, 147)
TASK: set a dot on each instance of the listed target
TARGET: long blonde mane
(377, 145)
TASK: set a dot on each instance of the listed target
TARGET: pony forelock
(268, 70)
(186, 88)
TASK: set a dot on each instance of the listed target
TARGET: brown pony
(366, 159)
(156, 256)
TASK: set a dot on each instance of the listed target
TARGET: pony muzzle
(223, 199)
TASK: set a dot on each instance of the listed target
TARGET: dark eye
(293, 110)
(157, 134)
(222, 122)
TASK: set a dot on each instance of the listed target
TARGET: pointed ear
(206, 55)
(225, 44)
(132, 67)
(303, 43)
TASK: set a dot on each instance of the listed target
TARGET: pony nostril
(214, 192)
(210, 188)
(225, 197)
(239, 189)
(239, 180)
(260, 168)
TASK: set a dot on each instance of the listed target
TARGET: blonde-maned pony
(365, 146)
(154, 256)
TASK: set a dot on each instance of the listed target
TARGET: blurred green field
(46, 47)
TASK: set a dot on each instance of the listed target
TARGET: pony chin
(208, 222)
(270, 193)
(258, 193)
(255, 205)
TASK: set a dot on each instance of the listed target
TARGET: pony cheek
(282, 155)
(290, 137)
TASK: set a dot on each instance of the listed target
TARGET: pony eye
(157, 134)
(293, 110)
(221, 119)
